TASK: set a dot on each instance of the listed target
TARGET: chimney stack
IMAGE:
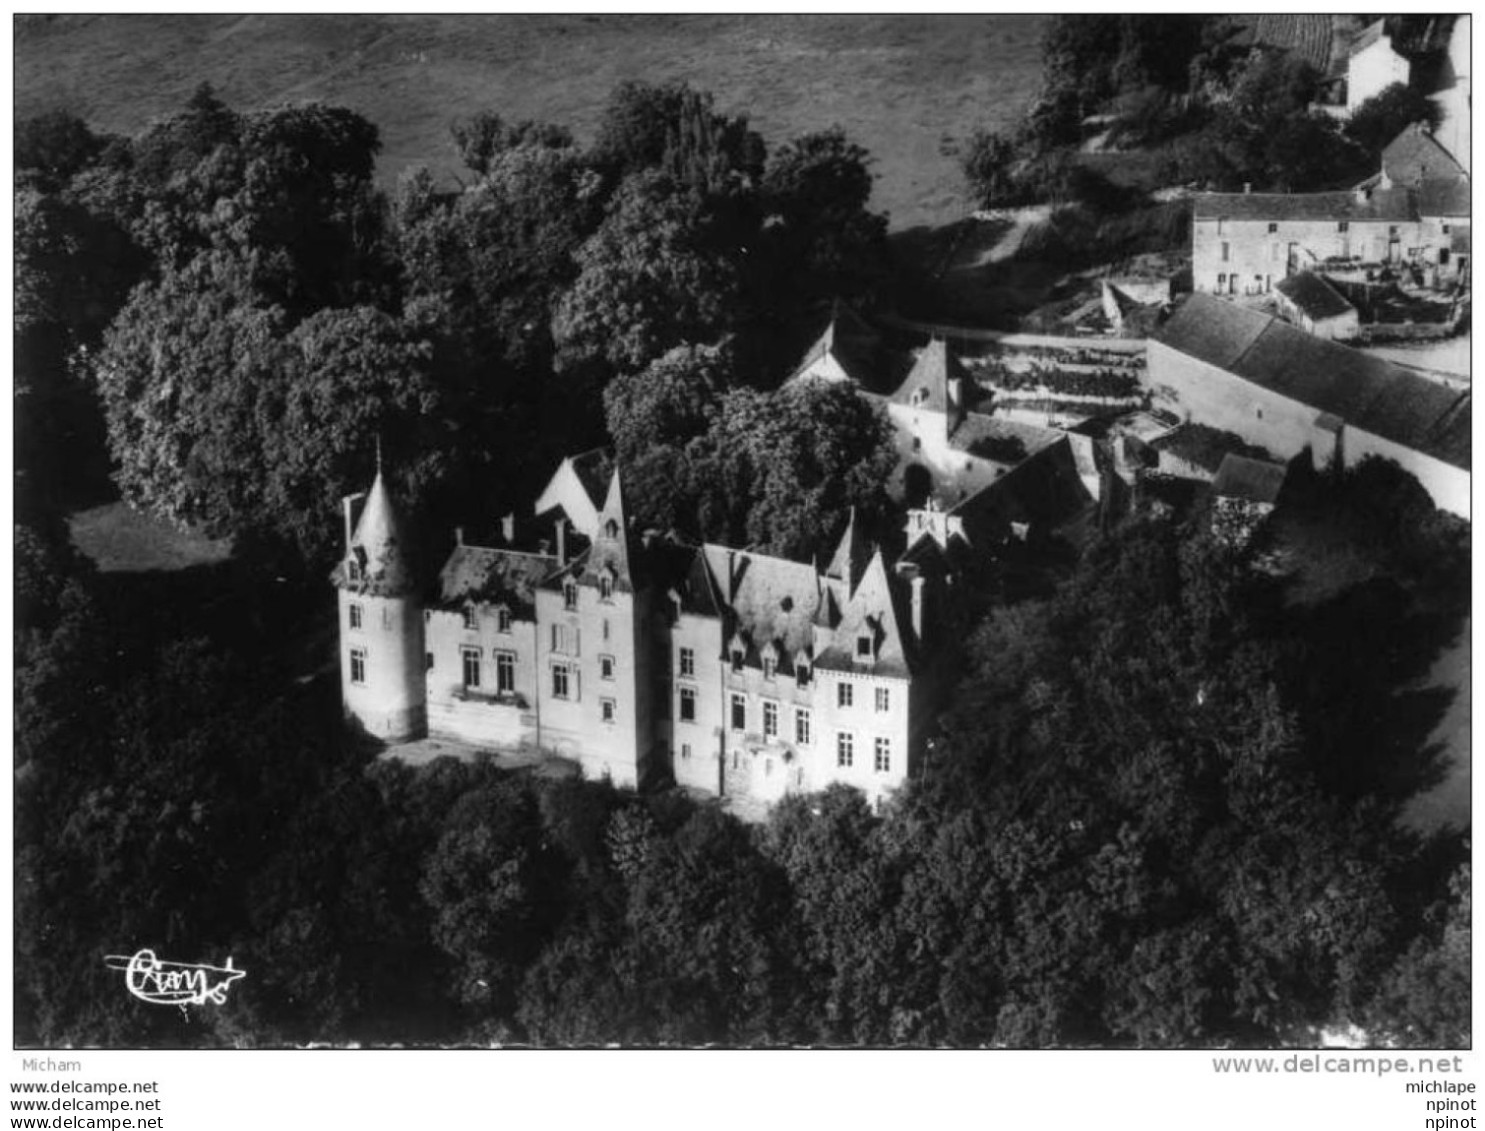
(561, 542)
(459, 535)
(917, 582)
(508, 528)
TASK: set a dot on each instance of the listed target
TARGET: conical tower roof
(378, 546)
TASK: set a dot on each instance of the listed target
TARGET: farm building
(1316, 307)
(1288, 392)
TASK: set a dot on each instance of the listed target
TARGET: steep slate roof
(1366, 392)
(1314, 296)
(932, 372)
(850, 556)
(856, 348)
(873, 609)
(1256, 481)
(773, 600)
(482, 575)
(1379, 205)
(593, 469)
(378, 545)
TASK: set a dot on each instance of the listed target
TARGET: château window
(685, 752)
(737, 659)
(502, 620)
(688, 704)
(605, 588)
(505, 672)
(1226, 251)
(609, 709)
(770, 665)
(802, 674)
(355, 613)
(561, 681)
(564, 639)
(739, 713)
(1343, 226)
(358, 665)
(863, 647)
(845, 749)
(611, 529)
(1272, 227)
(471, 618)
(471, 666)
(688, 661)
(802, 726)
(884, 699)
(427, 661)
(843, 694)
(920, 396)
(569, 594)
(884, 756)
(605, 667)
(352, 570)
(770, 720)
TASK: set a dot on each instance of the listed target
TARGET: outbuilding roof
(1314, 297)
(1366, 392)
(1252, 480)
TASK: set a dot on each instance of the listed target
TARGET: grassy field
(909, 88)
(121, 540)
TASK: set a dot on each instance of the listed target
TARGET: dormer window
(770, 666)
(737, 658)
(352, 569)
(569, 594)
(802, 674)
(502, 619)
(863, 646)
(605, 586)
(471, 618)
(611, 530)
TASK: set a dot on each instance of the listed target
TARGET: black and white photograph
(581, 532)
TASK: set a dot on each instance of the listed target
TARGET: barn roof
(1367, 392)
(1256, 481)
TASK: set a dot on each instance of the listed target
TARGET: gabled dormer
(737, 653)
(804, 666)
(768, 659)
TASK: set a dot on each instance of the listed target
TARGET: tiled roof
(1315, 297)
(1367, 392)
(1379, 205)
(1203, 446)
(773, 599)
(1440, 196)
(983, 435)
(1415, 155)
(1217, 332)
(495, 577)
(1256, 481)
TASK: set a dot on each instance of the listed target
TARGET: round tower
(381, 622)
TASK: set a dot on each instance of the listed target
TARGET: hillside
(906, 87)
